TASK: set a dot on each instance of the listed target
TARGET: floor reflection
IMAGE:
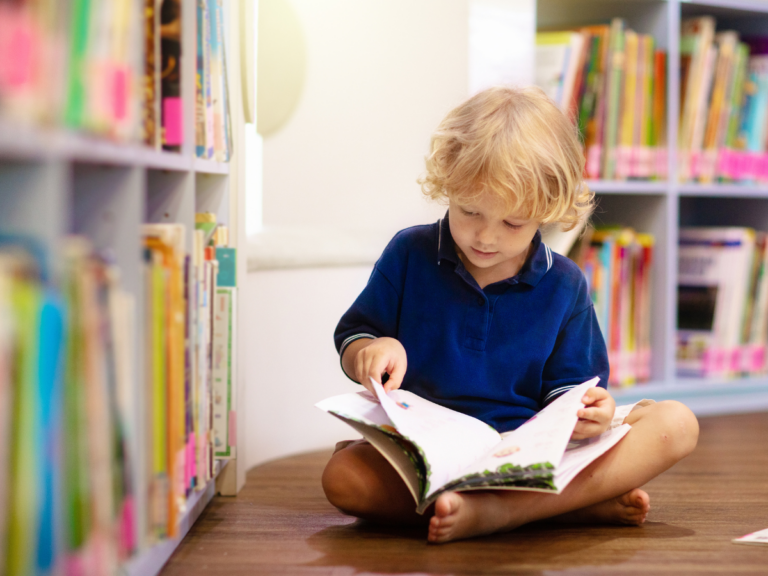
(371, 548)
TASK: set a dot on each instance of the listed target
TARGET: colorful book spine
(617, 265)
(172, 108)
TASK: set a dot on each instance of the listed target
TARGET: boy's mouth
(481, 254)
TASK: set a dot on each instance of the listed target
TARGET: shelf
(628, 187)
(720, 5)
(210, 167)
(703, 396)
(729, 190)
(151, 561)
(29, 144)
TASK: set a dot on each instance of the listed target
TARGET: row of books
(722, 322)
(113, 68)
(67, 496)
(70, 439)
(188, 359)
(724, 104)
(617, 264)
(612, 82)
(70, 64)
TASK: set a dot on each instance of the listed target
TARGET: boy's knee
(342, 484)
(679, 428)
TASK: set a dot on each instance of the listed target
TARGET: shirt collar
(445, 246)
(538, 264)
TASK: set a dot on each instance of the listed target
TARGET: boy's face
(491, 244)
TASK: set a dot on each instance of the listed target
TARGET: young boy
(476, 314)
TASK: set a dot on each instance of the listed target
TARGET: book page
(358, 406)
(583, 452)
(449, 441)
(541, 440)
(759, 538)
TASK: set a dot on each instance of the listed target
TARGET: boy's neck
(502, 271)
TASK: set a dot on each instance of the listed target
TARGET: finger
(591, 414)
(594, 395)
(585, 429)
(377, 368)
(396, 374)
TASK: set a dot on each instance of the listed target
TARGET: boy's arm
(366, 358)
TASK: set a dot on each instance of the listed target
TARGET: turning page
(448, 441)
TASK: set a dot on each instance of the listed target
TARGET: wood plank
(281, 523)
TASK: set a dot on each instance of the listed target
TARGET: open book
(435, 449)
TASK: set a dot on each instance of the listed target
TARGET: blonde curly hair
(515, 144)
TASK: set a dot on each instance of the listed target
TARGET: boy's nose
(485, 236)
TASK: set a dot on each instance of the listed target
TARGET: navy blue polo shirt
(500, 353)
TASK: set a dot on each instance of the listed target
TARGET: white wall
(292, 360)
(381, 74)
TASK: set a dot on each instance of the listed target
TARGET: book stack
(724, 105)
(213, 131)
(722, 323)
(222, 303)
(611, 81)
(69, 412)
(617, 264)
(189, 351)
(66, 489)
(113, 69)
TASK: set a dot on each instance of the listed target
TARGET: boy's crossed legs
(360, 482)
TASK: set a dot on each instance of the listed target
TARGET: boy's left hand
(596, 415)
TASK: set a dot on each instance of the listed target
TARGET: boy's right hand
(374, 358)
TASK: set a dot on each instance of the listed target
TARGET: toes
(447, 504)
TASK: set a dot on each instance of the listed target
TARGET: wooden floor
(282, 524)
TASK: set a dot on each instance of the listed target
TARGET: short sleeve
(579, 353)
(375, 312)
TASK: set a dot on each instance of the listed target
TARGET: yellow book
(159, 394)
(696, 38)
(715, 127)
(172, 238)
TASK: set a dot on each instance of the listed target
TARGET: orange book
(174, 345)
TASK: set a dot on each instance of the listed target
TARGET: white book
(435, 449)
(759, 538)
(223, 373)
(553, 51)
(713, 278)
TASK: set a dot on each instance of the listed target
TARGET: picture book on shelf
(435, 449)
(716, 296)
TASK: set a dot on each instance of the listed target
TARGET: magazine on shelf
(435, 449)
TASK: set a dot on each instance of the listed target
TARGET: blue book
(227, 276)
(49, 383)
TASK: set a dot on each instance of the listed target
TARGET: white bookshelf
(661, 208)
(55, 182)
(154, 557)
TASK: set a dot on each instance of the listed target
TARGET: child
(476, 314)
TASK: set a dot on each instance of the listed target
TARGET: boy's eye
(468, 213)
(512, 226)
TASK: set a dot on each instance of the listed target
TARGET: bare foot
(630, 508)
(466, 515)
